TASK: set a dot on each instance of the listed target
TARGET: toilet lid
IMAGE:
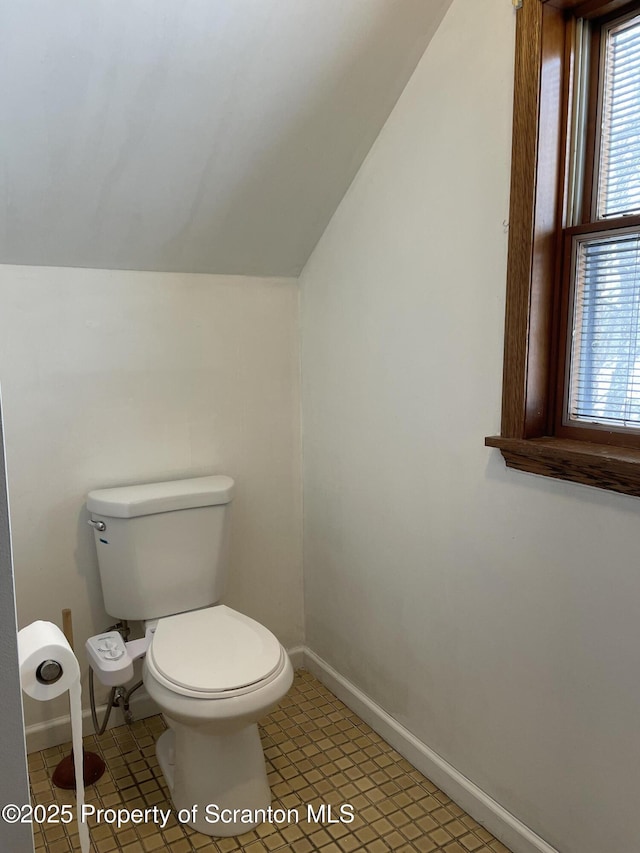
(214, 650)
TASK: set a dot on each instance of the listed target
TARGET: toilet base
(166, 755)
(221, 780)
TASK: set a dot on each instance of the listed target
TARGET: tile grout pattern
(317, 751)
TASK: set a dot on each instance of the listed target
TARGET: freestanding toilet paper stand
(93, 766)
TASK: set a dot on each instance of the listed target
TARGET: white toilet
(213, 671)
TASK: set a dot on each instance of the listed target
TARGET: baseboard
(297, 656)
(54, 732)
(483, 808)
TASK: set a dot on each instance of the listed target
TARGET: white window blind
(605, 358)
(619, 167)
(604, 367)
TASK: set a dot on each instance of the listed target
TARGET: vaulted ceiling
(191, 135)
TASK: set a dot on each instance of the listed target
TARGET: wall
(14, 785)
(121, 377)
(491, 612)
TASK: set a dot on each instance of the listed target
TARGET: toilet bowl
(214, 673)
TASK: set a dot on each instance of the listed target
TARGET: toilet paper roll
(49, 668)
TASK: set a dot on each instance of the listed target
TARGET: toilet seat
(214, 653)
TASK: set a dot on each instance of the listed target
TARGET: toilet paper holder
(49, 671)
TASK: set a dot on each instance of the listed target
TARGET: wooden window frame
(542, 101)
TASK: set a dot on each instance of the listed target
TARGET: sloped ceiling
(191, 135)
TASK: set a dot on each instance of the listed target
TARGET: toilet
(214, 672)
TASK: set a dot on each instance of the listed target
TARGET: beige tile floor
(317, 751)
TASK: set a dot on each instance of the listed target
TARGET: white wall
(120, 377)
(493, 613)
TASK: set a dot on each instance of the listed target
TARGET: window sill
(599, 465)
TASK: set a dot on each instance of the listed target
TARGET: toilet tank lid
(132, 501)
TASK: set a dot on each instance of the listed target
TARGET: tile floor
(317, 750)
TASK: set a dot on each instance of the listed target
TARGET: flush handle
(97, 525)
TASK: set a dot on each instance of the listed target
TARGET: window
(599, 370)
(571, 385)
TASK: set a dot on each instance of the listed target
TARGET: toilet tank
(163, 549)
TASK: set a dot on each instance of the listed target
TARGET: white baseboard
(483, 808)
(297, 656)
(54, 732)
